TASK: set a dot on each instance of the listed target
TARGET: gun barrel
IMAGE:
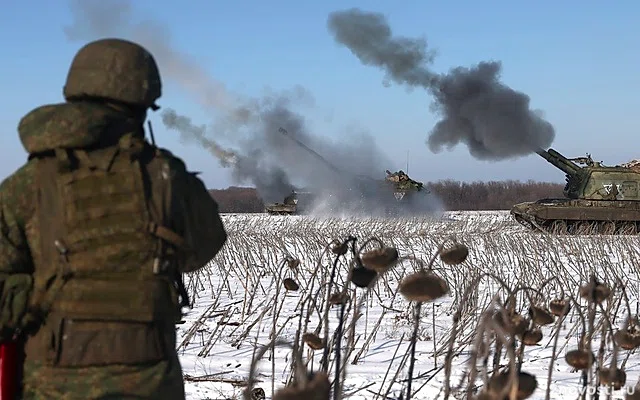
(559, 161)
(304, 146)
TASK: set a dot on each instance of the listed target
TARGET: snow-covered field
(240, 303)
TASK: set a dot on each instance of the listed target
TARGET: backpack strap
(135, 146)
(168, 235)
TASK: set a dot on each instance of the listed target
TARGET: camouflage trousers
(162, 380)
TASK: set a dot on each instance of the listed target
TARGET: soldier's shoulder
(176, 163)
(17, 191)
(20, 182)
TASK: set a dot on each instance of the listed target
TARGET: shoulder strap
(171, 245)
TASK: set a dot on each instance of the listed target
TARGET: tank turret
(598, 199)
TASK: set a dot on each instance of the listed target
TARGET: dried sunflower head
(515, 324)
(531, 336)
(290, 284)
(595, 291)
(293, 263)
(525, 382)
(540, 315)
(313, 341)
(455, 254)
(340, 249)
(559, 307)
(362, 277)
(627, 340)
(423, 286)
(616, 377)
(380, 260)
(579, 359)
(338, 298)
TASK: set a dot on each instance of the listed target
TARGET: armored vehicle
(399, 186)
(290, 205)
(403, 185)
(598, 199)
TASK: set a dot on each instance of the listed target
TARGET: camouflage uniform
(95, 231)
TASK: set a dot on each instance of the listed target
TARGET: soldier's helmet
(114, 69)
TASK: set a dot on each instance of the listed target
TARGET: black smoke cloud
(491, 119)
(273, 162)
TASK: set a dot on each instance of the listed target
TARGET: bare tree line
(456, 195)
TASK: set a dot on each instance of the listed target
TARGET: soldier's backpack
(109, 258)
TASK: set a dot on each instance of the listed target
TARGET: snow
(240, 301)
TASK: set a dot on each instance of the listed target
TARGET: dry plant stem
(501, 336)
(326, 286)
(324, 363)
(512, 296)
(413, 342)
(601, 351)
(395, 352)
(371, 336)
(254, 363)
(357, 314)
(351, 342)
(623, 289)
(296, 342)
(526, 290)
(433, 334)
(311, 300)
(456, 320)
(614, 357)
(547, 281)
(508, 307)
(577, 308)
(590, 327)
(513, 372)
(359, 305)
(276, 313)
(366, 242)
(416, 326)
(520, 356)
(556, 337)
(336, 382)
(478, 343)
(395, 376)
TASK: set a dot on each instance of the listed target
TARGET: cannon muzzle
(559, 161)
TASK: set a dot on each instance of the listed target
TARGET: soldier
(95, 231)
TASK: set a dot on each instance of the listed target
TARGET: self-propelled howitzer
(598, 199)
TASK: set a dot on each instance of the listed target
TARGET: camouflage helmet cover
(114, 69)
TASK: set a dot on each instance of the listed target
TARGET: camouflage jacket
(194, 214)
